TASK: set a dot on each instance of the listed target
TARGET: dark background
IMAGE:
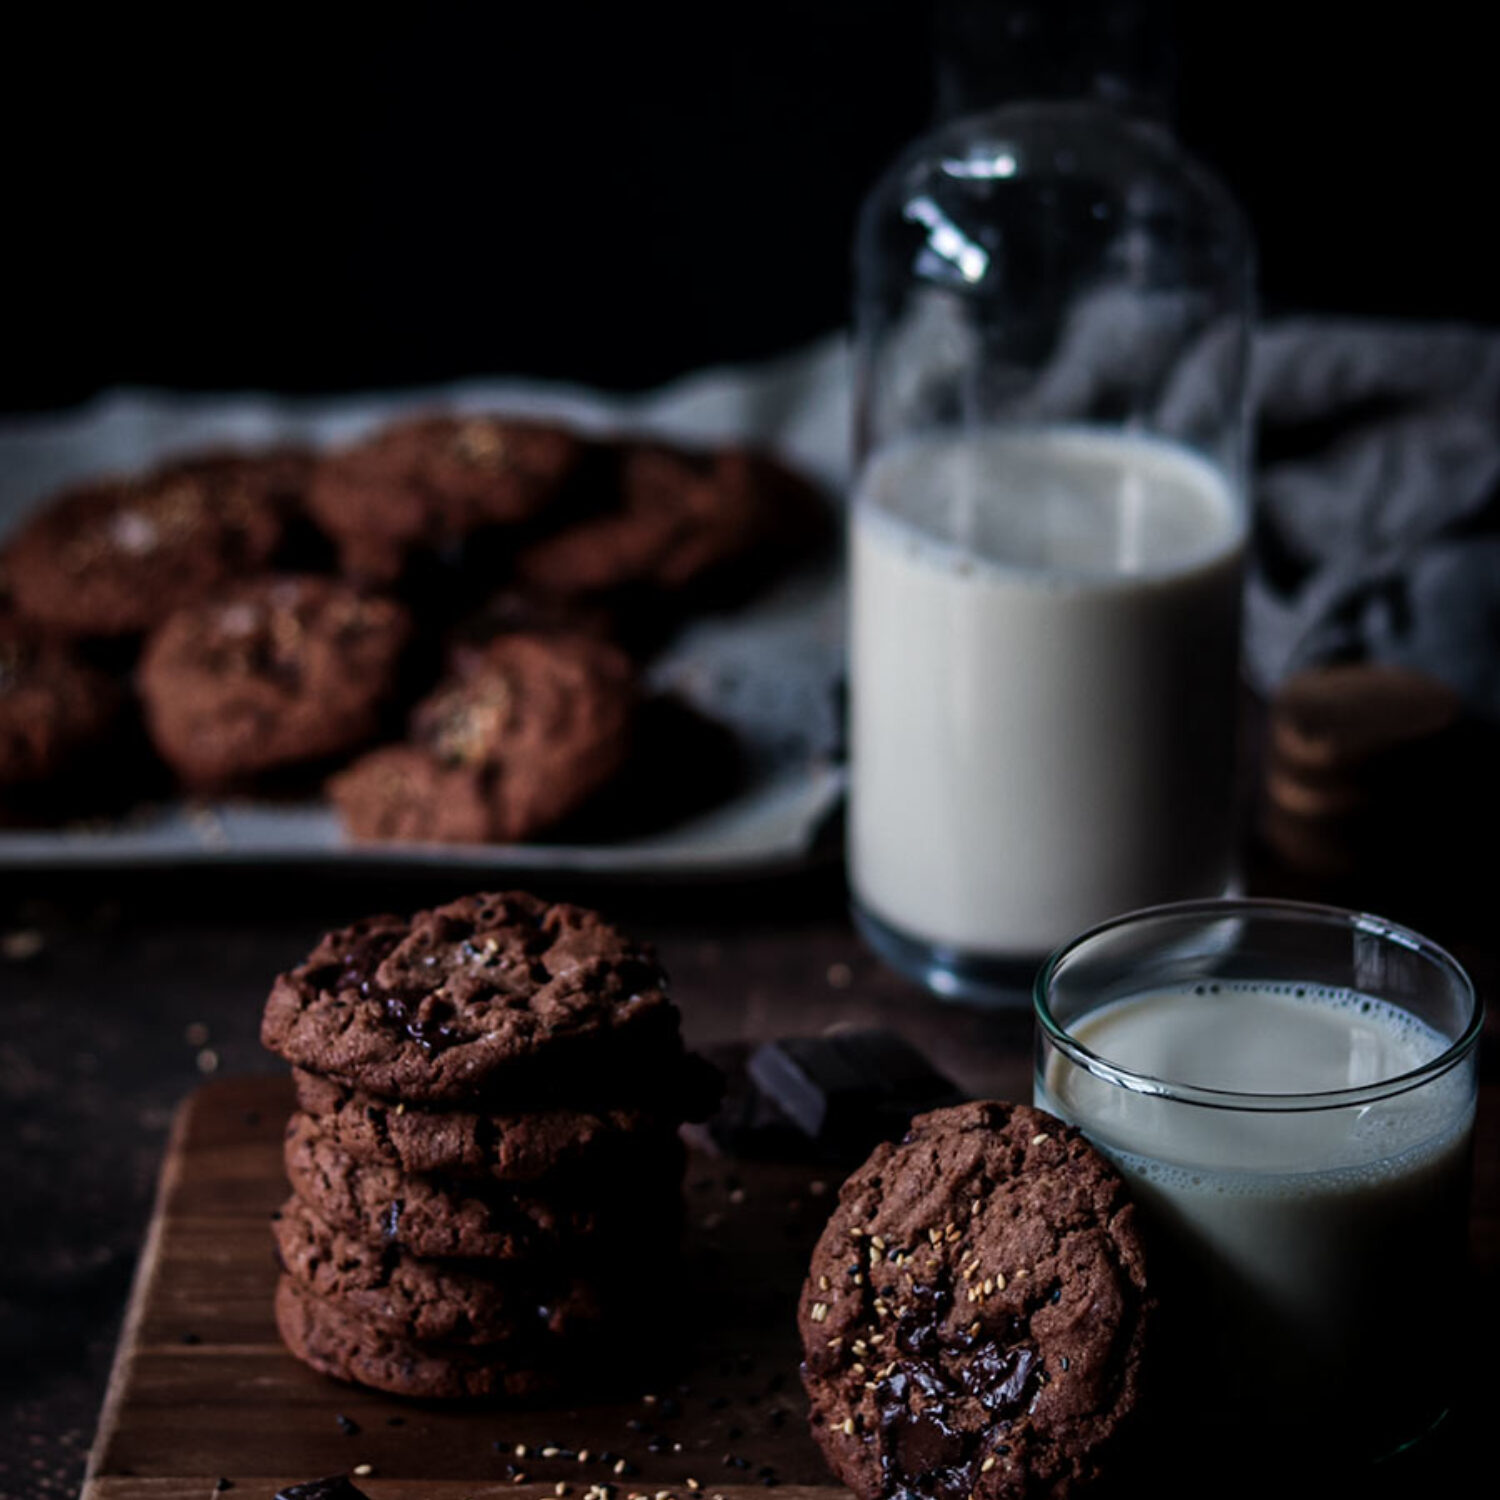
(614, 194)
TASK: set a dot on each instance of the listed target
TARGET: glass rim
(1308, 912)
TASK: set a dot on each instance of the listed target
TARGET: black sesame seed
(191, 1338)
(669, 1406)
(658, 1445)
(395, 1421)
(347, 1425)
(220, 1485)
(735, 1432)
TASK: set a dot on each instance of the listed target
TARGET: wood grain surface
(202, 1388)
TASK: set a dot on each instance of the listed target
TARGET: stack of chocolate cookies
(1368, 769)
(485, 1163)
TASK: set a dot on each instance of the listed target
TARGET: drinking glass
(1289, 1091)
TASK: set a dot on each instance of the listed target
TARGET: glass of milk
(1046, 537)
(1290, 1092)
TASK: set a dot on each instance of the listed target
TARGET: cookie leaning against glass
(495, 1013)
(976, 1317)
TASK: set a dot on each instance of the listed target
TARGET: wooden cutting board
(202, 1389)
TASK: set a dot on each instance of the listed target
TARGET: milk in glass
(1044, 638)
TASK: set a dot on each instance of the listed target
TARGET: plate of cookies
(504, 625)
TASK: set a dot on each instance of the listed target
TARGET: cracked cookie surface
(517, 1147)
(270, 673)
(976, 1312)
(336, 1342)
(432, 1218)
(117, 556)
(504, 997)
(420, 1301)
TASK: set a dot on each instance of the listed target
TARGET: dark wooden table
(119, 994)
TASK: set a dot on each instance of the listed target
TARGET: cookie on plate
(425, 483)
(338, 1342)
(430, 1301)
(520, 736)
(679, 517)
(519, 1147)
(116, 557)
(272, 672)
(55, 710)
(498, 997)
(433, 1219)
(976, 1313)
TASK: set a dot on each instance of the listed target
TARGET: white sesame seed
(363, 1470)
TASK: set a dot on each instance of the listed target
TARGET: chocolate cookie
(524, 734)
(54, 709)
(429, 1301)
(1341, 719)
(422, 484)
(679, 517)
(976, 1310)
(433, 1218)
(339, 1343)
(116, 557)
(506, 1148)
(503, 995)
(272, 672)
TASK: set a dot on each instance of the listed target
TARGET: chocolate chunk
(851, 1089)
(337, 1487)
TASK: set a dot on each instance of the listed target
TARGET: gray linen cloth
(1378, 502)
